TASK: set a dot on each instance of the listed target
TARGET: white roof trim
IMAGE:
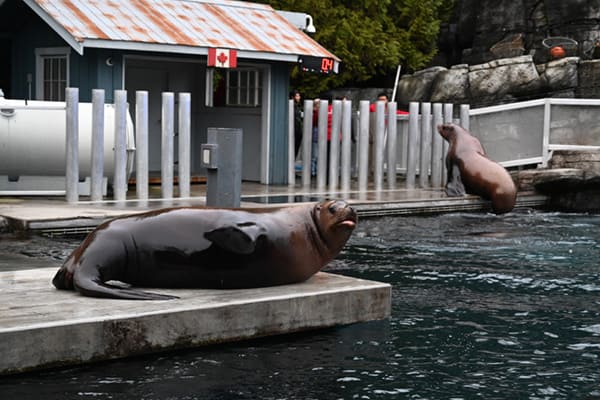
(59, 29)
(179, 49)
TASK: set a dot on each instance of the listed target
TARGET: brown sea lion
(470, 171)
(192, 247)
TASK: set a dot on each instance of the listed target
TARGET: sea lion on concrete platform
(193, 247)
(470, 171)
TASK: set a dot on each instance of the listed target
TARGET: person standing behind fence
(298, 115)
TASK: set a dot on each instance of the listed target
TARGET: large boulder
(452, 85)
(417, 87)
(508, 76)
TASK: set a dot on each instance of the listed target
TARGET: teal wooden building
(233, 57)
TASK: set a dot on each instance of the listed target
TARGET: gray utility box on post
(222, 157)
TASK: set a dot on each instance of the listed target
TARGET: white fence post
(425, 159)
(346, 145)
(379, 144)
(334, 148)
(97, 156)
(185, 143)
(413, 131)
(464, 116)
(291, 149)
(448, 118)
(322, 145)
(392, 143)
(307, 129)
(168, 123)
(72, 145)
(363, 146)
(120, 174)
(141, 144)
(437, 149)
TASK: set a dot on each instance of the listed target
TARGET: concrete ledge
(42, 327)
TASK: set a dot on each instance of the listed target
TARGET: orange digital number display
(326, 65)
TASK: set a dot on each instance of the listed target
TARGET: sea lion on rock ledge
(193, 247)
(470, 171)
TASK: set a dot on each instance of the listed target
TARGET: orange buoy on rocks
(557, 52)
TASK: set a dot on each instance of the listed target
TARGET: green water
(483, 307)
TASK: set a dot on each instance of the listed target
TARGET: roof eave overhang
(58, 28)
(182, 49)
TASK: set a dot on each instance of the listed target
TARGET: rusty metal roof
(178, 26)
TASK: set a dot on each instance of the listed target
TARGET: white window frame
(41, 55)
(255, 87)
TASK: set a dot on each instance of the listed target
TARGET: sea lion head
(335, 220)
(448, 131)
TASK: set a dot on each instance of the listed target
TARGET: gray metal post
(425, 145)
(334, 148)
(437, 151)
(322, 145)
(448, 114)
(97, 170)
(363, 146)
(222, 156)
(168, 124)
(185, 144)
(413, 131)
(291, 149)
(379, 144)
(120, 175)
(392, 144)
(307, 128)
(141, 144)
(72, 145)
(346, 145)
(464, 116)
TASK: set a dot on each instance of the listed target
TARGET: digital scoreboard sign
(322, 65)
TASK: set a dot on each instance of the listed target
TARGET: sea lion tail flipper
(96, 288)
(239, 238)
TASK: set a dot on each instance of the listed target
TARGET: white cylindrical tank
(33, 135)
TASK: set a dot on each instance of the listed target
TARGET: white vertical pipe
(413, 131)
(167, 139)
(448, 114)
(546, 133)
(392, 144)
(322, 145)
(363, 146)
(464, 116)
(437, 151)
(379, 144)
(97, 172)
(334, 148)
(425, 145)
(346, 144)
(185, 144)
(307, 128)
(291, 150)
(141, 144)
(72, 145)
(120, 176)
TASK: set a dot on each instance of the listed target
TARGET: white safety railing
(120, 178)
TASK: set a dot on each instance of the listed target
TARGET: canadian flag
(222, 58)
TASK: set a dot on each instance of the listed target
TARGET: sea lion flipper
(239, 238)
(455, 186)
(96, 288)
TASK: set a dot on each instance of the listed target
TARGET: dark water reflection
(483, 307)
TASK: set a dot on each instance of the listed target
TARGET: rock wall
(479, 28)
(502, 81)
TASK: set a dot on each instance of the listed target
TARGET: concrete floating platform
(42, 327)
